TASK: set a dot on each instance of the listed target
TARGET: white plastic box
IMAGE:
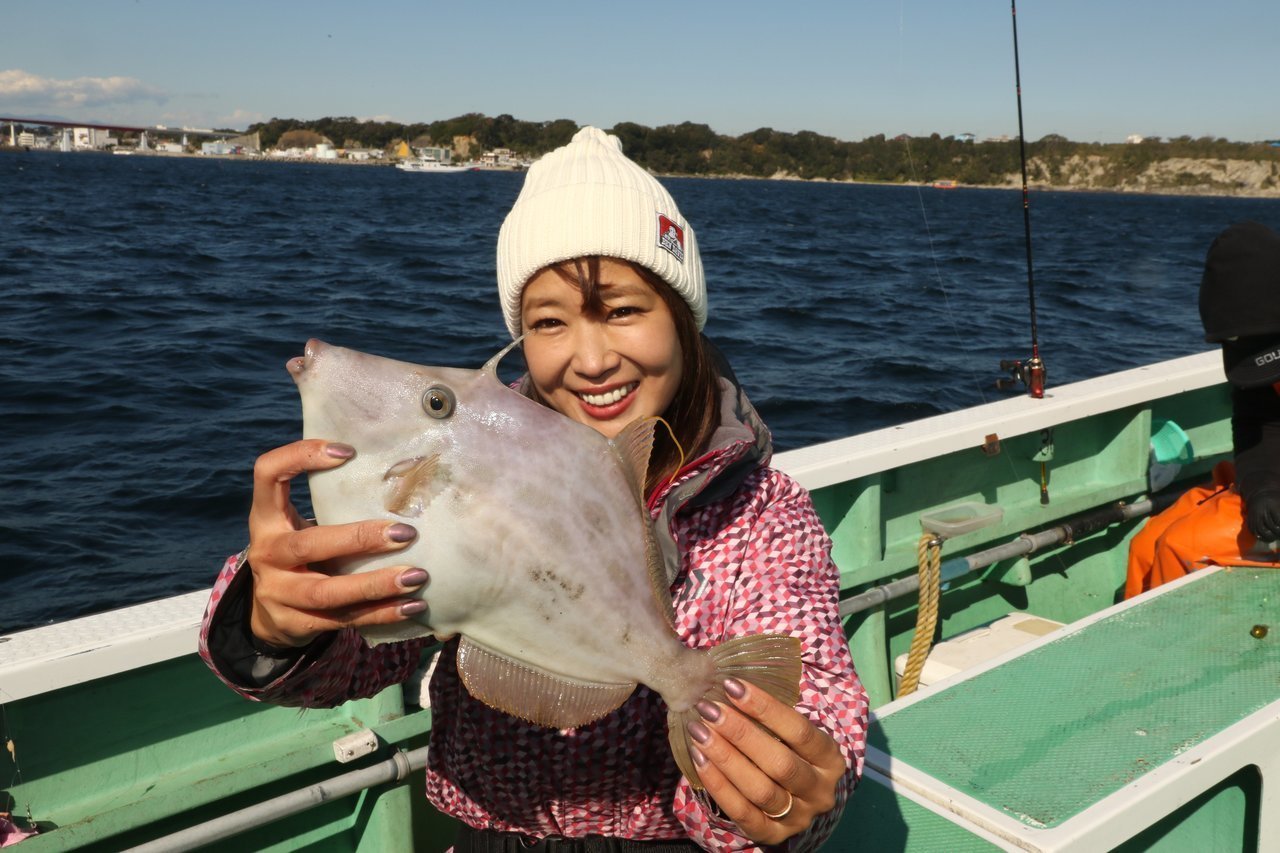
(978, 645)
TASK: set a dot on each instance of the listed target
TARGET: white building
(91, 139)
(218, 147)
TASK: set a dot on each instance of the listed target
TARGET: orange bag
(1205, 527)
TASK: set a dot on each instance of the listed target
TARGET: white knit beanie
(587, 198)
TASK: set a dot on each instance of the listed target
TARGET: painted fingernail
(400, 532)
(339, 451)
(411, 607)
(709, 711)
(698, 758)
(412, 578)
(735, 688)
(699, 732)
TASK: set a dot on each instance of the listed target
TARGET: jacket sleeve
(1255, 433)
(785, 582)
(330, 671)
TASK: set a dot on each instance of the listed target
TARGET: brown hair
(694, 412)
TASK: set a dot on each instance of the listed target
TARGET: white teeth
(608, 398)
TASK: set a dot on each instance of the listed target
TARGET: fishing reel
(1030, 373)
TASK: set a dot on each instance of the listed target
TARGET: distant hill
(1181, 165)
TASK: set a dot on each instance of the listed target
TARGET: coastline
(1209, 188)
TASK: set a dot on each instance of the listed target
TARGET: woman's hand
(771, 788)
(292, 603)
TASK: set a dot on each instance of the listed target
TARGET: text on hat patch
(671, 237)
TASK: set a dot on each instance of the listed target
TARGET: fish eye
(438, 402)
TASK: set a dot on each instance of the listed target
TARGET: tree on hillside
(301, 139)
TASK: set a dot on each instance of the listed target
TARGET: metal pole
(394, 769)
(1027, 543)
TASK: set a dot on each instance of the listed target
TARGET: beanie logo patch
(671, 238)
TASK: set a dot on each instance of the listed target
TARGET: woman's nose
(593, 352)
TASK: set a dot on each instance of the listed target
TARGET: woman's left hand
(771, 788)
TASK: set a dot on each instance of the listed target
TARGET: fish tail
(770, 662)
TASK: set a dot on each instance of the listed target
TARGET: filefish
(535, 534)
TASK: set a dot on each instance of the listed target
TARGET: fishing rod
(1030, 372)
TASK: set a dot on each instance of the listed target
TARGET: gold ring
(791, 801)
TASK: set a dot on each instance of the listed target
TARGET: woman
(601, 275)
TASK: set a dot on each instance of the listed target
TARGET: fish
(535, 534)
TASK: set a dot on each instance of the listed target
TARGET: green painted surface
(1075, 720)
(876, 819)
(122, 760)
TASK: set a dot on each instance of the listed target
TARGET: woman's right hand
(293, 603)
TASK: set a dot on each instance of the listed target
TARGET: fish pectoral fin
(534, 694)
(410, 484)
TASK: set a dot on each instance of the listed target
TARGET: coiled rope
(929, 557)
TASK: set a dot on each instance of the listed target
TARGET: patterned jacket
(748, 555)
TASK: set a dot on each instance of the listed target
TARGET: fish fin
(409, 485)
(534, 694)
(768, 661)
(633, 447)
(491, 366)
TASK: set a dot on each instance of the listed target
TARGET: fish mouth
(607, 398)
(298, 365)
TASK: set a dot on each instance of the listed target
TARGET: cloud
(240, 118)
(18, 88)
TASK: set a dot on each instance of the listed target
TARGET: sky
(1091, 70)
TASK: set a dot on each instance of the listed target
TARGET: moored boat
(426, 165)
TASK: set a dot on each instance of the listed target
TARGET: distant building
(324, 151)
(966, 137)
(439, 155)
(27, 139)
(1135, 139)
(218, 148)
(500, 158)
(1004, 137)
(91, 139)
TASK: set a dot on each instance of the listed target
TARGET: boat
(1051, 715)
(422, 164)
(944, 185)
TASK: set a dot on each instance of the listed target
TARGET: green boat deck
(1113, 713)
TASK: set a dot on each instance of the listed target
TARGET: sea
(148, 306)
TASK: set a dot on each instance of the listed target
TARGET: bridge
(143, 132)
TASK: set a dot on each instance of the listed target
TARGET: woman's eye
(624, 311)
(544, 323)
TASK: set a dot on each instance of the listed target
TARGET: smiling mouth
(608, 398)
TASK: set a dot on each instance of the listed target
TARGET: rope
(929, 555)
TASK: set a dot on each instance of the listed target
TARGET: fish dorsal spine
(633, 448)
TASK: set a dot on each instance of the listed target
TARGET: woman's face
(603, 369)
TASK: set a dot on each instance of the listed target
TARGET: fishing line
(1032, 371)
(11, 747)
(974, 376)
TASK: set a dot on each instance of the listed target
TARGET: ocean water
(148, 305)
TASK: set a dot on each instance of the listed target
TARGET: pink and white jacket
(748, 555)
